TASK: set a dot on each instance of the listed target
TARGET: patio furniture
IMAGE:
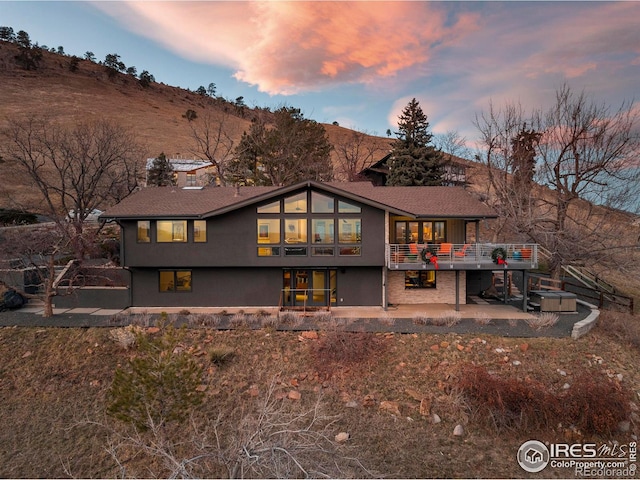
(463, 251)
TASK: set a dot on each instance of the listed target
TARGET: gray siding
(251, 287)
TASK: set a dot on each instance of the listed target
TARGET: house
(189, 172)
(309, 244)
(454, 171)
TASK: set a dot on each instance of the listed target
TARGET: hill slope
(155, 114)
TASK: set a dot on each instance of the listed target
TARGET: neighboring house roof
(182, 164)
(167, 202)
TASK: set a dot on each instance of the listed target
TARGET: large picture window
(295, 230)
(349, 230)
(323, 230)
(171, 231)
(175, 280)
(268, 230)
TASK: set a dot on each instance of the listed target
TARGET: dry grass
(53, 380)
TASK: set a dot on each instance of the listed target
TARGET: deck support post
(457, 290)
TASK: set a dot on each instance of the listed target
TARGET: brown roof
(169, 202)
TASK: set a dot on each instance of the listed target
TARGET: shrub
(157, 386)
(482, 318)
(543, 320)
(595, 404)
(447, 319)
(421, 319)
(509, 403)
(124, 337)
(220, 355)
(337, 348)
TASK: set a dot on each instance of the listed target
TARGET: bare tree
(75, 170)
(37, 249)
(583, 153)
(355, 152)
(213, 140)
(453, 143)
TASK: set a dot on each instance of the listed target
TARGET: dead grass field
(54, 384)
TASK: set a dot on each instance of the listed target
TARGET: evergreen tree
(161, 172)
(290, 150)
(414, 160)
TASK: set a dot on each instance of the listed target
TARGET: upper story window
(199, 231)
(321, 203)
(296, 203)
(300, 235)
(191, 179)
(273, 207)
(171, 231)
(144, 231)
(344, 207)
(419, 232)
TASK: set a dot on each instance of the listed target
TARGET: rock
(435, 419)
(27, 354)
(352, 404)
(342, 437)
(562, 373)
(524, 347)
(294, 382)
(294, 395)
(566, 386)
(201, 388)
(392, 407)
(253, 390)
(460, 347)
(444, 344)
(458, 431)
(369, 401)
(414, 394)
(516, 363)
(153, 330)
(310, 335)
(435, 348)
(425, 406)
(619, 377)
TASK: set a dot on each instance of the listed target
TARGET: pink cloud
(288, 47)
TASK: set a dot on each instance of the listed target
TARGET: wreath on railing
(428, 255)
(499, 256)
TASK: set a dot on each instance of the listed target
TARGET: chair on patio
(463, 251)
(413, 252)
(444, 249)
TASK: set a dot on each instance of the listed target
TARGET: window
(344, 207)
(295, 230)
(349, 230)
(144, 231)
(420, 279)
(321, 203)
(268, 251)
(191, 179)
(322, 230)
(268, 230)
(175, 281)
(296, 203)
(270, 208)
(199, 231)
(171, 231)
(420, 232)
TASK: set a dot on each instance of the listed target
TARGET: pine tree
(161, 172)
(414, 160)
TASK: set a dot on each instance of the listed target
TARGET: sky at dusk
(360, 63)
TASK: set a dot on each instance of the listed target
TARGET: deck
(454, 256)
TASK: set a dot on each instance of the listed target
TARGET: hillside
(155, 113)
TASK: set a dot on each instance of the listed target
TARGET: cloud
(292, 47)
